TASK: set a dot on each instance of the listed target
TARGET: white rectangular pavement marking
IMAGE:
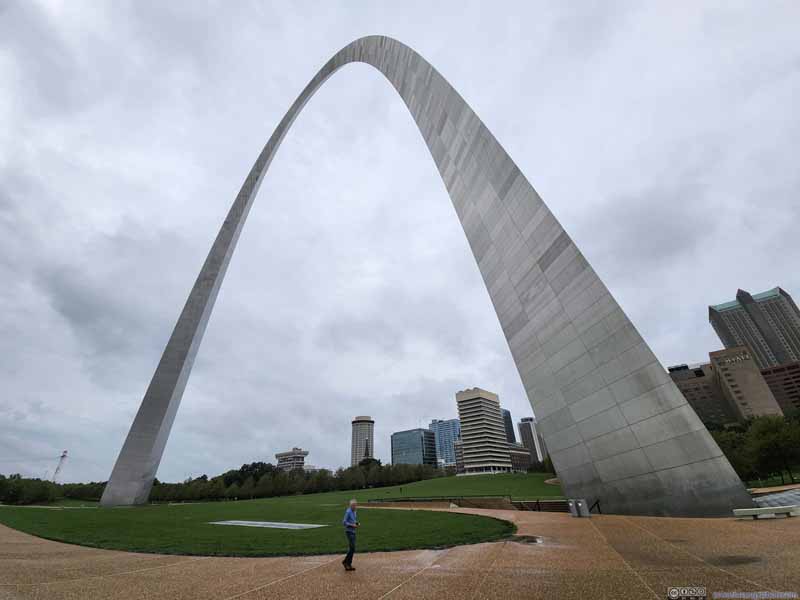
(269, 524)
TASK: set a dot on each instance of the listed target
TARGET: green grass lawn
(71, 502)
(520, 486)
(185, 529)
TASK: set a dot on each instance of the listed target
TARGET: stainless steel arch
(616, 427)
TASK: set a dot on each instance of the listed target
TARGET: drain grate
(733, 560)
(527, 539)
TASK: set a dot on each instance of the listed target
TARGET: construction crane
(61, 462)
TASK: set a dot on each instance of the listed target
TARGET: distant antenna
(61, 462)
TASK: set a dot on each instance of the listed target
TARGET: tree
(232, 492)
(733, 444)
(18, 490)
(774, 444)
(235, 483)
(264, 488)
(322, 481)
(217, 489)
(248, 488)
(280, 483)
(537, 467)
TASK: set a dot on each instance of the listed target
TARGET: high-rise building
(291, 459)
(767, 323)
(532, 439)
(483, 433)
(362, 444)
(509, 425)
(726, 390)
(414, 447)
(458, 447)
(742, 384)
(784, 381)
(446, 432)
(699, 386)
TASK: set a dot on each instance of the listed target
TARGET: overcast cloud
(664, 136)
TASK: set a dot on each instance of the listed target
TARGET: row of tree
(16, 489)
(763, 447)
(254, 480)
(264, 480)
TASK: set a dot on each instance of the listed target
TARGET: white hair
(353, 501)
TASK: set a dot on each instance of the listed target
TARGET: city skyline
(97, 254)
(450, 424)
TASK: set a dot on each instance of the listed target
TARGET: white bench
(767, 512)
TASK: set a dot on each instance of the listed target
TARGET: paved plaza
(601, 557)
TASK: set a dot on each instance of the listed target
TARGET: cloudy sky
(664, 137)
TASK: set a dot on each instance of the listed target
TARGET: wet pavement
(556, 557)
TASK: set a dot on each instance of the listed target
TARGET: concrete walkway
(602, 557)
(786, 498)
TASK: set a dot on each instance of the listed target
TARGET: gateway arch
(617, 428)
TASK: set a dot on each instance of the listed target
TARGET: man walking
(350, 523)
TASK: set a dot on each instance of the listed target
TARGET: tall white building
(483, 432)
(362, 444)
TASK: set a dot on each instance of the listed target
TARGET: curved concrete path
(602, 557)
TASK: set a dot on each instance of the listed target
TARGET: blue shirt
(349, 519)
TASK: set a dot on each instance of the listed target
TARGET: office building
(728, 389)
(532, 439)
(291, 459)
(520, 457)
(742, 384)
(767, 323)
(458, 447)
(509, 425)
(362, 444)
(483, 433)
(699, 386)
(784, 381)
(414, 447)
(446, 432)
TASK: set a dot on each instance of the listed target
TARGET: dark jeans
(351, 540)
